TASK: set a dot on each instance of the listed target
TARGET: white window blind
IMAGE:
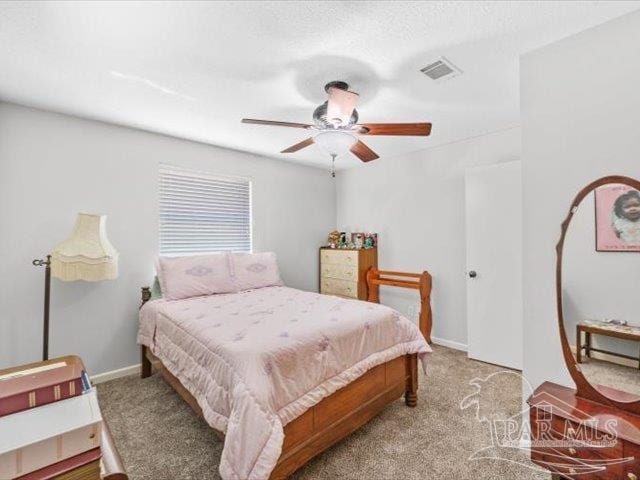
(203, 213)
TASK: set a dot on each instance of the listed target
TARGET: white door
(494, 263)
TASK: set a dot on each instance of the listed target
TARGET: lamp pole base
(47, 296)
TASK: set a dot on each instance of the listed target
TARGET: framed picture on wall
(617, 218)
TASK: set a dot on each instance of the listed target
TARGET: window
(203, 213)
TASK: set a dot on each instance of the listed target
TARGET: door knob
(473, 274)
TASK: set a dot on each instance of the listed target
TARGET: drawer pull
(632, 476)
(572, 451)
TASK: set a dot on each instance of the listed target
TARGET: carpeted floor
(621, 377)
(160, 438)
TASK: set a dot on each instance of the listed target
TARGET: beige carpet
(160, 438)
(621, 377)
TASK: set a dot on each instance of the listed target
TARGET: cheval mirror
(598, 292)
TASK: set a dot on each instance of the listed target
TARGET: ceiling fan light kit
(336, 126)
(335, 142)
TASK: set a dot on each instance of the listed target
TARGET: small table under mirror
(593, 431)
(585, 330)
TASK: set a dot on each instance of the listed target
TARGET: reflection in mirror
(601, 288)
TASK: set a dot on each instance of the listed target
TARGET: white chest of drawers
(343, 272)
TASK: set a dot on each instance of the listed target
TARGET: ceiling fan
(336, 125)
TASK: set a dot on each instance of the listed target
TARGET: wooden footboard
(416, 281)
(333, 418)
(344, 411)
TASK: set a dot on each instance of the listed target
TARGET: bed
(282, 373)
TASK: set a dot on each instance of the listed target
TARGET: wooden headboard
(417, 281)
(146, 295)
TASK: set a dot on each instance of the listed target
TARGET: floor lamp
(86, 255)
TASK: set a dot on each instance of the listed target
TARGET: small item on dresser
(333, 239)
(39, 437)
(41, 383)
(370, 240)
(348, 243)
(343, 240)
(358, 240)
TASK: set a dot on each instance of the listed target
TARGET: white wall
(416, 204)
(53, 166)
(580, 121)
(598, 285)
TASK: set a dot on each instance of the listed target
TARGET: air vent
(441, 70)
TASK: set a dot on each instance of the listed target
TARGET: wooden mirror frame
(625, 401)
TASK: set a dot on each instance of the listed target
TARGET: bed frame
(416, 281)
(339, 414)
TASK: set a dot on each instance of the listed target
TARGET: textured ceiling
(194, 69)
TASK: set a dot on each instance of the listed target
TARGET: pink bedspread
(256, 360)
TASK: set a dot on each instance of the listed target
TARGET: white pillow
(194, 276)
(254, 270)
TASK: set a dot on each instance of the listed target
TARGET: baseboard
(449, 343)
(113, 374)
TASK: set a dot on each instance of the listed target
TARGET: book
(86, 472)
(85, 466)
(41, 383)
(38, 437)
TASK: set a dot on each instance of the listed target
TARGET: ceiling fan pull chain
(333, 165)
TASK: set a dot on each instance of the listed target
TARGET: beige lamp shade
(87, 254)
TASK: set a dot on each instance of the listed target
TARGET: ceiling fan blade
(340, 105)
(412, 129)
(299, 146)
(363, 152)
(275, 123)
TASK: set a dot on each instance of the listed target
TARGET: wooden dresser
(557, 413)
(343, 272)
